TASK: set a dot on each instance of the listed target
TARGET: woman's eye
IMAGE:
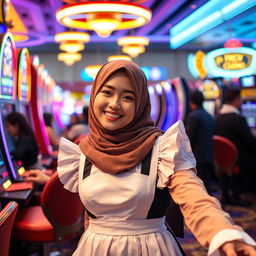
(128, 97)
(106, 92)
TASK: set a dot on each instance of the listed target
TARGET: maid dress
(118, 205)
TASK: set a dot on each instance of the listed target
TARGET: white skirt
(147, 237)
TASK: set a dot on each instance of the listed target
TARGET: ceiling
(39, 18)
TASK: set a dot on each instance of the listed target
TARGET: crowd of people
(130, 166)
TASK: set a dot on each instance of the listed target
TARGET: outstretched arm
(213, 227)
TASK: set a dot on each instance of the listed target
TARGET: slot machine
(8, 102)
(24, 85)
(248, 94)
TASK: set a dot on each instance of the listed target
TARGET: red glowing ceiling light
(233, 43)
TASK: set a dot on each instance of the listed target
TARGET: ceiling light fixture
(119, 57)
(72, 47)
(133, 45)
(69, 58)
(103, 17)
(72, 41)
(92, 70)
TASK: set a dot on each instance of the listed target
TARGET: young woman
(26, 148)
(121, 193)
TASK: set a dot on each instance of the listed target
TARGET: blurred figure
(199, 127)
(26, 149)
(232, 125)
(54, 140)
(81, 127)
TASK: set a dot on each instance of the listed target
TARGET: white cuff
(227, 235)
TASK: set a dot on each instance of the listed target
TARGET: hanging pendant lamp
(103, 17)
(133, 45)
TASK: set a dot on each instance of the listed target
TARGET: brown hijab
(122, 149)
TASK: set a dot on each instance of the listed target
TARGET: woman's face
(12, 129)
(114, 105)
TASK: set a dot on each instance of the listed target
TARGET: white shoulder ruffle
(174, 153)
(68, 164)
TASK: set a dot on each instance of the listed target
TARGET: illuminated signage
(210, 90)
(231, 62)
(223, 62)
(7, 67)
(24, 76)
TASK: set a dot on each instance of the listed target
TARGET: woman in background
(26, 148)
(53, 138)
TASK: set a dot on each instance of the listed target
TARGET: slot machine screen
(247, 81)
(5, 110)
(248, 110)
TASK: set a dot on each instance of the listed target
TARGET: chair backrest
(7, 216)
(225, 153)
(62, 208)
(78, 139)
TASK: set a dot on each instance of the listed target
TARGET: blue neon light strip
(192, 66)
(206, 17)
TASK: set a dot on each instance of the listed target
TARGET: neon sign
(233, 61)
(223, 62)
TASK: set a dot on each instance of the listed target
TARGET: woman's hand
(237, 248)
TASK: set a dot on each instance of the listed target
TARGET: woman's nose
(114, 102)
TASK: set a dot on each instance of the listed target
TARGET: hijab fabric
(115, 151)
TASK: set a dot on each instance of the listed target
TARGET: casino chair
(7, 217)
(225, 158)
(59, 218)
(78, 139)
(225, 155)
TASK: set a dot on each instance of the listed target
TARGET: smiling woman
(126, 170)
(114, 105)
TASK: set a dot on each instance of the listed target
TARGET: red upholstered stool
(58, 218)
(7, 216)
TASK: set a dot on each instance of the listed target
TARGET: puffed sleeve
(174, 153)
(68, 164)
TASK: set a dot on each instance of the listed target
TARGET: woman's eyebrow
(113, 88)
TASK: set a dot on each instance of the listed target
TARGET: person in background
(199, 127)
(126, 168)
(81, 127)
(26, 148)
(53, 138)
(232, 125)
(74, 119)
(38, 176)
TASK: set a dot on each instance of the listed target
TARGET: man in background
(81, 127)
(199, 127)
(232, 125)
